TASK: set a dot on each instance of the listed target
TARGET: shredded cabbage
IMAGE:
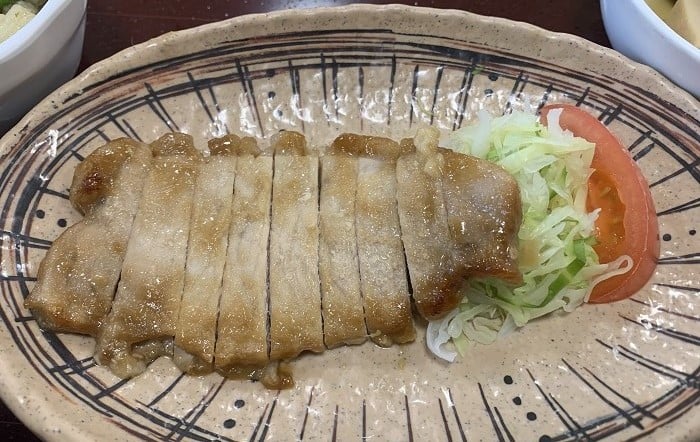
(555, 253)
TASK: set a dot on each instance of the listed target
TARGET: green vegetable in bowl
(5, 4)
(16, 14)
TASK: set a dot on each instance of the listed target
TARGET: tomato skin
(627, 223)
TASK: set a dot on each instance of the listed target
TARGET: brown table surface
(112, 26)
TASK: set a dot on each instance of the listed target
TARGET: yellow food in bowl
(16, 14)
(683, 16)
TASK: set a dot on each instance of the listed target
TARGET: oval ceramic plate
(617, 371)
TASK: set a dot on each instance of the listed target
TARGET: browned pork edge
(78, 276)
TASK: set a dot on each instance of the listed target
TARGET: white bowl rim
(31, 31)
(668, 33)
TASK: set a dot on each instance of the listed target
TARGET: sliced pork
(206, 256)
(435, 279)
(242, 333)
(243, 260)
(142, 322)
(79, 274)
(382, 265)
(295, 293)
(484, 215)
(338, 266)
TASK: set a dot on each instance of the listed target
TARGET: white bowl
(41, 56)
(635, 30)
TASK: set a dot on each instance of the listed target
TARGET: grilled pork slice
(242, 332)
(484, 215)
(338, 267)
(79, 274)
(206, 256)
(382, 265)
(141, 324)
(435, 279)
(460, 217)
(295, 295)
(287, 262)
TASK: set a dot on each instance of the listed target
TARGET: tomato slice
(627, 223)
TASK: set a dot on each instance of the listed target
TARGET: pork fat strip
(206, 256)
(78, 276)
(295, 297)
(435, 279)
(242, 334)
(383, 276)
(338, 267)
(141, 325)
